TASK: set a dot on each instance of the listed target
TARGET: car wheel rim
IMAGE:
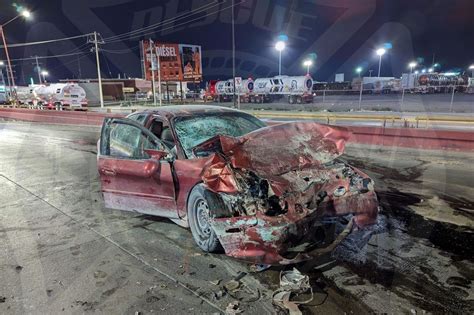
(202, 219)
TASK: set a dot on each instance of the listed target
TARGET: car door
(135, 169)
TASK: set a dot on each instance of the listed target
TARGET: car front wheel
(199, 220)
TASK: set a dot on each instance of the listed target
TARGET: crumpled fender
(217, 175)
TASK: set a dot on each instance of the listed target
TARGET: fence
(449, 98)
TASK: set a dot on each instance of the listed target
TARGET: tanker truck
(296, 89)
(59, 96)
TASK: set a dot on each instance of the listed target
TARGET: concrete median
(56, 117)
(403, 137)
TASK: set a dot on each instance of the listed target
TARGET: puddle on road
(448, 237)
(413, 278)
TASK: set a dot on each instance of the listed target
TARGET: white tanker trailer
(60, 96)
(54, 96)
(297, 89)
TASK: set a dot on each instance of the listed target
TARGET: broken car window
(129, 142)
(194, 130)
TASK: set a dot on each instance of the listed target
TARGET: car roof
(187, 110)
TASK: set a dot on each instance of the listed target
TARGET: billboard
(191, 59)
(177, 62)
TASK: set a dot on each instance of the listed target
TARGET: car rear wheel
(199, 220)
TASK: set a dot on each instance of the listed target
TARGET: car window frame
(104, 149)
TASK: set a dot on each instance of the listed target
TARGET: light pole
(44, 74)
(307, 63)
(412, 65)
(471, 67)
(380, 52)
(358, 71)
(2, 64)
(11, 79)
(280, 46)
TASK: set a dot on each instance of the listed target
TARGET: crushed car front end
(276, 189)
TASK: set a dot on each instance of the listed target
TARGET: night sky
(342, 33)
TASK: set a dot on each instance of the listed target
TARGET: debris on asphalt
(240, 276)
(259, 267)
(215, 282)
(232, 285)
(219, 294)
(292, 282)
(2, 299)
(212, 266)
(233, 308)
(18, 268)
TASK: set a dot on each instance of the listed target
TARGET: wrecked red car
(265, 194)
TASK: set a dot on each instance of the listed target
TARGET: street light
(26, 14)
(280, 46)
(380, 52)
(1, 73)
(416, 71)
(412, 65)
(359, 70)
(430, 70)
(44, 74)
(307, 63)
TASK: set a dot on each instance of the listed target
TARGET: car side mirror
(156, 154)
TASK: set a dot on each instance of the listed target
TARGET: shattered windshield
(194, 130)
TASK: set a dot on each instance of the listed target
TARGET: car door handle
(109, 172)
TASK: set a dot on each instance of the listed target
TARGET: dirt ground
(62, 251)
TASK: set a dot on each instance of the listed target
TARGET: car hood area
(276, 184)
(281, 148)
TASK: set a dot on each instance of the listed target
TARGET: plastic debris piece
(282, 299)
(232, 285)
(259, 267)
(292, 282)
(215, 282)
(233, 308)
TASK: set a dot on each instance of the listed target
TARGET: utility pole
(233, 52)
(11, 82)
(99, 77)
(79, 68)
(153, 64)
(159, 74)
(38, 69)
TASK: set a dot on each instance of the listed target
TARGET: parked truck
(296, 89)
(59, 96)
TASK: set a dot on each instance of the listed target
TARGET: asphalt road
(63, 251)
(412, 103)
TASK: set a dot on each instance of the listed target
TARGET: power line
(120, 51)
(183, 23)
(46, 41)
(171, 20)
(48, 57)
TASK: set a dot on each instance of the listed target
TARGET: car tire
(199, 217)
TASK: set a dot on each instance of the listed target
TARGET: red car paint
(283, 156)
